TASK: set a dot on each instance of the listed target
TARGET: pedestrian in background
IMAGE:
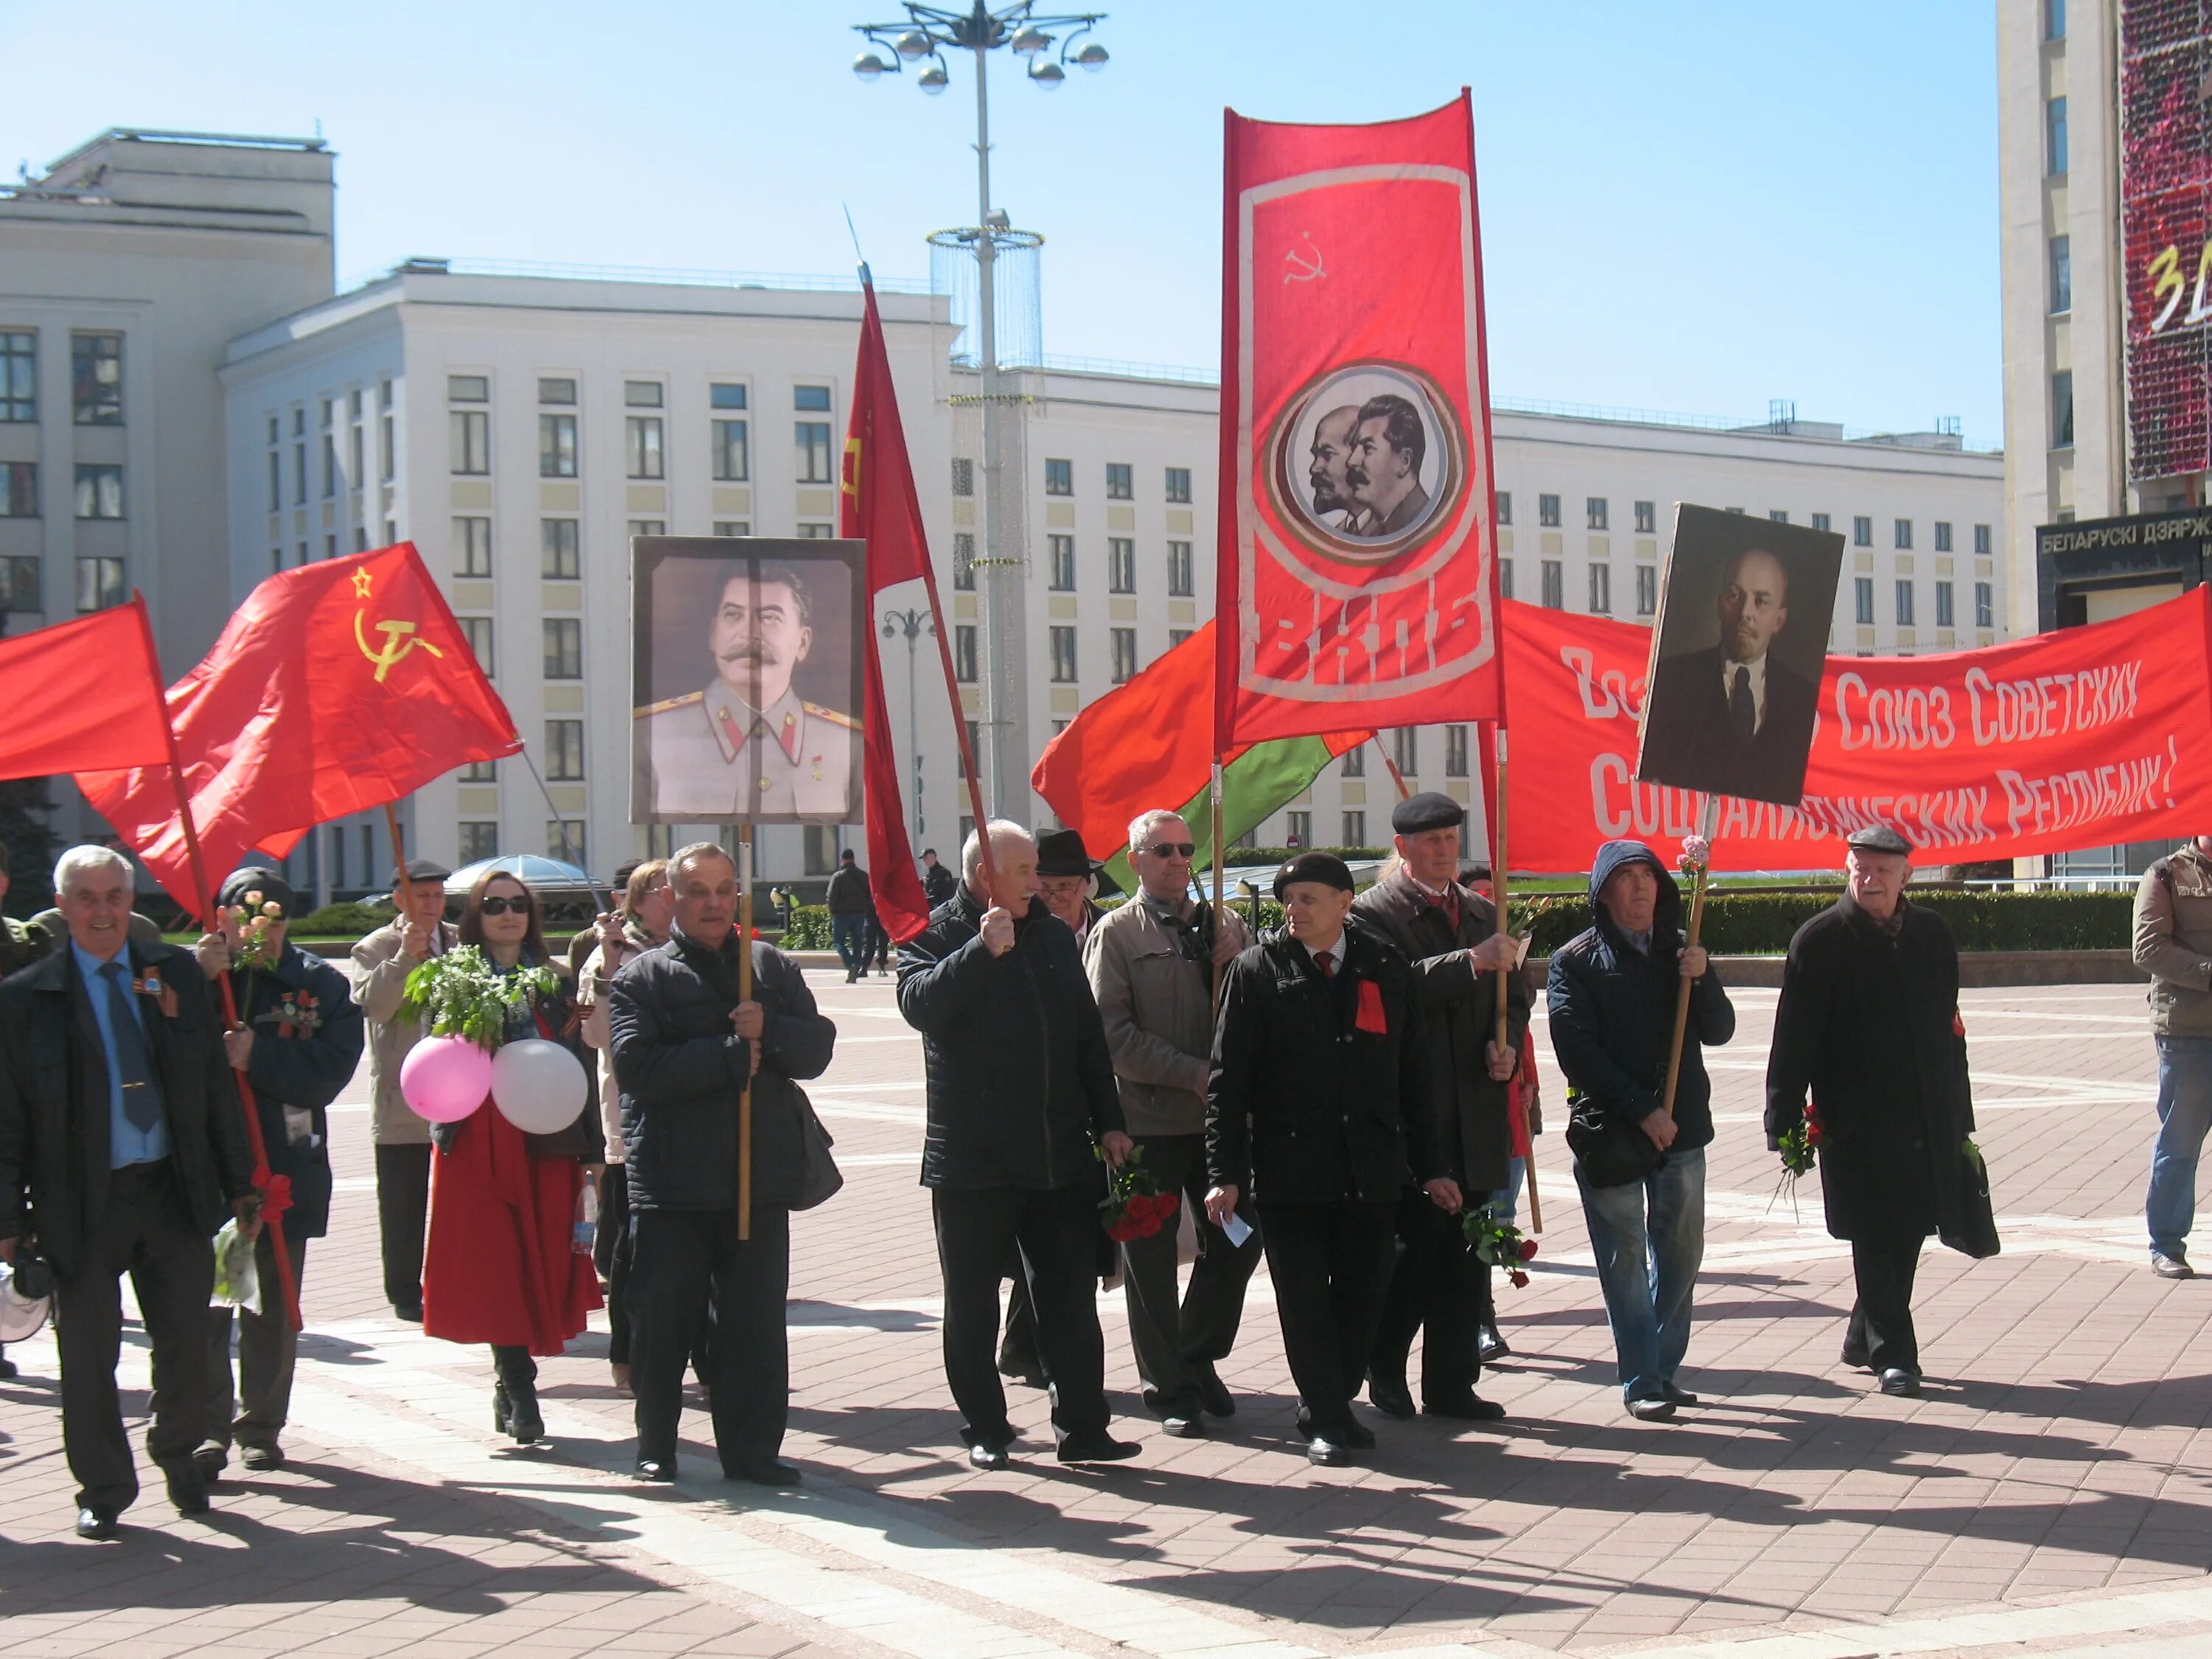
(2174, 945)
(852, 910)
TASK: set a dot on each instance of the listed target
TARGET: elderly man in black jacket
(1869, 1022)
(1319, 1101)
(683, 1047)
(1021, 1105)
(1450, 935)
(122, 1149)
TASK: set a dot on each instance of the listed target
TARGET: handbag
(819, 1177)
(1609, 1150)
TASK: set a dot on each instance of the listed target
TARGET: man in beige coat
(2173, 945)
(382, 961)
(1151, 963)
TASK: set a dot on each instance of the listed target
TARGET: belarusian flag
(1148, 744)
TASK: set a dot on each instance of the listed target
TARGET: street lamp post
(914, 624)
(927, 32)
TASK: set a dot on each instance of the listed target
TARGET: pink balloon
(444, 1079)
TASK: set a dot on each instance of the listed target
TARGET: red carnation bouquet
(1134, 1207)
(1497, 1243)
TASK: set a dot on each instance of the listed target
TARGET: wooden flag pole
(406, 884)
(745, 994)
(1709, 820)
(1396, 776)
(1498, 888)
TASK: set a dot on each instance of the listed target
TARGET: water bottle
(587, 1219)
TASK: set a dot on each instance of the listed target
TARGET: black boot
(515, 1395)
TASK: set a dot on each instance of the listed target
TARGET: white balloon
(538, 1086)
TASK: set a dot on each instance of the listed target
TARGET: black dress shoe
(1681, 1396)
(1390, 1395)
(209, 1459)
(1212, 1393)
(410, 1311)
(764, 1472)
(1326, 1453)
(1855, 1356)
(1660, 1410)
(188, 1490)
(1469, 1407)
(8, 1371)
(1354, 1434)
(263, 1458)
(1179, 1426)
(988, 1454)
(1489, 1346)
(1097, 1448)
(655, 1470)
(95, 1523)
(1898, 1381)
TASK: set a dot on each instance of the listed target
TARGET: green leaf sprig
(463, 993)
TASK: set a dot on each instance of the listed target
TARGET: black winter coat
(1021, 1083)
(682, 1068)
(54, 1101)
(304, 1062)
(1867, 1022)
(1459, 1015)
(1307, 1103)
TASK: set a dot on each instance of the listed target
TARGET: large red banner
(2084, 738)
(1357, 548)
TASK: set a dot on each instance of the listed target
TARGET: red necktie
(1450, 907)
(1327, 962)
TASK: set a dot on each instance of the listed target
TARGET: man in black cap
(1320, 1097)
(937, 883)
(1869, 1022)
(852, 913)
(297, 1042)
(1451, 936)
(1069, 877)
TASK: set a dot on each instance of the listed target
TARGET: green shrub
(346, 920)
(809, 929)
(1241, 856)
(1762, 924)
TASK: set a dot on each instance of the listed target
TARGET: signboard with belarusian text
(2142, 550)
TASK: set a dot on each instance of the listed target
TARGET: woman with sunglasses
(501, 1266)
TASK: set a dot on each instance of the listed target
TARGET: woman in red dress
(500, 1266)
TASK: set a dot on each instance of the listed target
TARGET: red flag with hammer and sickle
(335, 687)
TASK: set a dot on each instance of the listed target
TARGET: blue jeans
(848, 932)
(2184, 1112)
(1647, 1266)
(1509, 1201)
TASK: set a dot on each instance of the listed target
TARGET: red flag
(335, 688)
(1357, 573)
(878, 505)
(82, 693)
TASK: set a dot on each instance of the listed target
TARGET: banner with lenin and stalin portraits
(2083, 737)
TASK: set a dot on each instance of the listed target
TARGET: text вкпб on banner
(2087, 737)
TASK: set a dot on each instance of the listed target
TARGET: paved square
(2046, 1495)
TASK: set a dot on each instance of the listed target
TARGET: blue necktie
(1743, 712)
(142, 1100)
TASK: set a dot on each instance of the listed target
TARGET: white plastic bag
(237, 1281)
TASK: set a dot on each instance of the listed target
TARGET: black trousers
(1018, 1346)
(403, 1211)
(684, 1263)
(611, 1255)
(251, 1409)
(1168, 1337)
(145, 1229)
(1056, 1231)
(1440, 1290)
(1881, 1317)
(1331, 1267)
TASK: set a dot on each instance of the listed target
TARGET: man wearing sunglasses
(1151, 964)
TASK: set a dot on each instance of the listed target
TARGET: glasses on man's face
(1173, 849)
(499, 904)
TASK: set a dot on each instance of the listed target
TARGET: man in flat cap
(1869, 1022)
(1451, 936)
(1320, 1109)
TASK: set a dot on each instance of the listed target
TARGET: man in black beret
(1450, 935)
(1319, 1099)
(1869, 1022)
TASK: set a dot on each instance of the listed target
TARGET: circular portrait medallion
(1365, 461)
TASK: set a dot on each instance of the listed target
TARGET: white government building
(519, 424)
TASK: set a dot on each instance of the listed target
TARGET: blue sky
(1692, 208)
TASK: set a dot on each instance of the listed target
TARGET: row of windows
(1598, 515)
(1059, 480)
(1905, 612)
(1060, 553)
(357, 446)
(100, 584)
(95, 377)
(99, 491)
(480, 840)
(561, 543)
(1121, 644)
(469, 440)
(1553, 574)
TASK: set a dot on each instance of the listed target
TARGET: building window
(98, 491)
(1548, 511)
(1355, 828)
(1179, 571)
(1063, 656)
(1904, 602)
(1943, 617)
(1986, 605)
(1821, 521)
(1555, 586)
(558, 392)
(1600, 589)
(964, 652)
(1121, 565)
(1981, 541)
(19, 376)
(556, 446)
(1599, 510)
(1300, 827)
(483, 771)
(564, 648)
(812, 532)
(811, 400)
(386, 451)
(1407, 741)
(2062, 410)
(1504, 508)
(2054, 20)
(1124, 641)
(732, 457)
(560, 546)
(472, 547)
(299, 461)
(354, 449)
(479, 841)
(1647, 519)
(641, 445)
(963, 477)
(468, 439)
(1179, 485)
(1454, 751)
(564, 839)
(728, 527)
(275, 479)
(1862, 600)
(2061, 275)
(726, 394)
(99, 585)
(646, 394)
(2054, 128)
(1647, 589)
(19, 585)
(1505, 578)
(96, 379)
(659, 528)
(330, 451)
(477, 631)
(1777, 514)
(1059, 478)
(813, 438)
(1355, 764)
(564, 751)
(19, 489)
(468, 388)
(964, 561)
(1902, 532)
(1177, 636)
(1061, 551)
(1942, 536)
(1862, 530)
(1120, 482)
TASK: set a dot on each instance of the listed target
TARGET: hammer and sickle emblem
(399, 639)
(850, 483)
(1302, 269)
